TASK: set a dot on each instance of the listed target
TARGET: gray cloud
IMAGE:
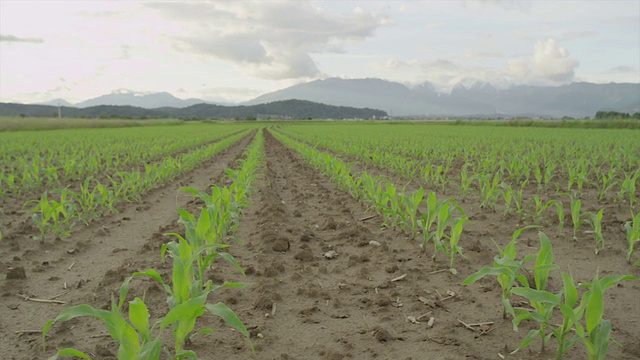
(621, 70)
(573, 35)
(13, 38)
(274, 40)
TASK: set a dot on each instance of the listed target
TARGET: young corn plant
(454, 240)
(429, 217)
(489, 191)
(596, 222)
(507, 270)
(540, 208)
(607, 182)
(560, 212)
(465, 183)
(135, 337)
(633, 235)
(443, 220)
(596, 334)
(507, 194)
(542, 301)
(576, 215)
(411, 203)
(519, 201)
(43, 213)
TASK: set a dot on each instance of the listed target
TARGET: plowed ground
(327, 280)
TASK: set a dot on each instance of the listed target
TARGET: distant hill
(288, 109)
(147, 101)
(469, 98)
(130, 98)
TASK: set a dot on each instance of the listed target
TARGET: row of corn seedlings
(463, 161)
(193, 256)
(95, 199)
(581, 317)
(441, 222)
(496, 186)
(33, 161)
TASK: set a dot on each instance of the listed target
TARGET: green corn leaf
(484, 272)
(532, 335)
(188, 309)
(539, 296)
(229, 317)
(595, 307)
(70, 352)
(151, 350)
(139, 317)
(545, 257)
(611, 280)
(570, 291)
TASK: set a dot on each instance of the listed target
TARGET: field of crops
(320, 240)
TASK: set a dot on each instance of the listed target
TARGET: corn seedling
(411, 203)
(454, 240)
(576, 215)
(542, 301)
(596, 222)
(429, 217)
(606, 183)
(541, 206)
(507, 194)
(507, 271)
(489, 191)
(560, 212)
(596, 335)
(465, 183)
(633, 234)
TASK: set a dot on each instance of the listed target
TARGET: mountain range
(467, 99)
(285, 109)
(472, 99)
(129, 98)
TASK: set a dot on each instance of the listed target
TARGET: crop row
(581, 316)
(440, 221)
(193, 255)
(451, 160)
(94, 199)
(35, 161)
(486, 179)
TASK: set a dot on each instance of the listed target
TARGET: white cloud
(552, 62)
(264, 37)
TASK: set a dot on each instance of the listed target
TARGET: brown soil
(322, 278)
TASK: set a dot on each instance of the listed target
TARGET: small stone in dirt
(382, 335)
(331, 254)
(71, 251)
(307, 236)
(280, 244)
(374, 243)
(16, 273)
(305, 255)
(391, 269)
(14, 306)
(330, 224)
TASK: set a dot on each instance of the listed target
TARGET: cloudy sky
(235, 50)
